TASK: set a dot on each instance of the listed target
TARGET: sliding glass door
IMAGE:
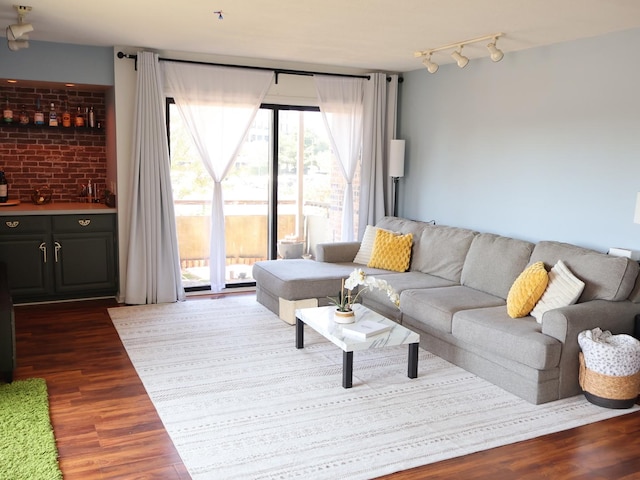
(282, 195)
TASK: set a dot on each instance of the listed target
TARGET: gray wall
(543, 145)
(58, 62)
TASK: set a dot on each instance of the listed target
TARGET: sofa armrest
(566, 323)
(337, 252)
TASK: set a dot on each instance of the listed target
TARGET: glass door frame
(274, 169)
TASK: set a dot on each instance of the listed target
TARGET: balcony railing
(246, 235)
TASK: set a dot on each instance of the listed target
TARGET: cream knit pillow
(366, 246)
(564, 289)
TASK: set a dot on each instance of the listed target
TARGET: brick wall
(62, 158)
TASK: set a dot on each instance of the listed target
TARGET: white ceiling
(363, 35)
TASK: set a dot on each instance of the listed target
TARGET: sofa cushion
(407, 281)
(564, 289)
(527, 290)
(494, 262)
(494, 331)
(404, 226)
(379, 301)
(605, 277)
(391, 251)
(297, 279)
(436, 306)
(441, 250)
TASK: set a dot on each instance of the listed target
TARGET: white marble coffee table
(321, 320)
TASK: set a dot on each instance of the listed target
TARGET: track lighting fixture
(432, 67)
(15, 45)
(495, 53)
(460, 59)
(17, 33)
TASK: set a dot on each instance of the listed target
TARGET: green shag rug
(27, 445)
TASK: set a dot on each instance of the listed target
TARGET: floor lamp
(396, 168)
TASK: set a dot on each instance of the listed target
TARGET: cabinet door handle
(84, 223)
(56, 250)
(12, 224)
(43, 249)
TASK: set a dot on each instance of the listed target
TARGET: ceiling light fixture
(496, 53)
(219, 13)
(15, 45)
(462, 61)
(17, 33)
(432, 67)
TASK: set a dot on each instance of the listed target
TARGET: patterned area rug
(241, 402)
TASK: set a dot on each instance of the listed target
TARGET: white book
(365, 329)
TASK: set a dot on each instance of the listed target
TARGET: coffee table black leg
(299, 333)
(347, 369)
(413, 360)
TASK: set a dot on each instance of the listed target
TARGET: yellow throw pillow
(527, 290)
(391, 251)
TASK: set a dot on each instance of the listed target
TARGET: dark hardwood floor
(107, 428)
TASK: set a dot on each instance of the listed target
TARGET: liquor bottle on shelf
(7, 113)
(38, 116)
(4, 188)
(66, 116)
(24, 116)
(79, 122)
(92, 118)
(53, 116)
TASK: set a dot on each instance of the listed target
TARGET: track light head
(15, 45)
(432, 67)
(460, 59)
(17, 30)
(496, 53)
(17, 33)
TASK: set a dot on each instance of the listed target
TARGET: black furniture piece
(7, 329)
(61, 256)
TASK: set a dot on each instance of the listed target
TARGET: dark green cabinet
(7, 329)
(52, 257)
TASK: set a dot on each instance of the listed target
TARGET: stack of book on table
(365, 329)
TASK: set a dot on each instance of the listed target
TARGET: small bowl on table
(41, 196)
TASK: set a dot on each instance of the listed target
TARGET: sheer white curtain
(218, 105)
(380, 112)
(341, 103)
(153, 264)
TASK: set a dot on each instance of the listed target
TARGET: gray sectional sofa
(454, 294)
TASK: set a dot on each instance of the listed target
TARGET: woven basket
(609, 391)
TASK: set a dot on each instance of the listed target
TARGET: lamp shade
(396, 158)
(636, 216)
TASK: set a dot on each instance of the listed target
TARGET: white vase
(344, 317)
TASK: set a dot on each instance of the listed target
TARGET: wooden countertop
(71, 208)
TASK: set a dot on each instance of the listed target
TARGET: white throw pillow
(366, 246)
(564, 289)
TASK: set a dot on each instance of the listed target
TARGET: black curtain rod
(277, 71)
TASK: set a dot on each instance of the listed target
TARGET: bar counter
(70, 208)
